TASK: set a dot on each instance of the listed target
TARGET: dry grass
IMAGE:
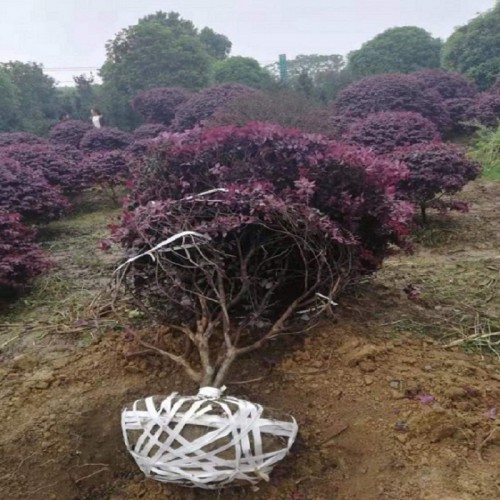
(59, 301)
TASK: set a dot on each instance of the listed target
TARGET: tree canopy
(161, 50)
(29, 99)
(473, 49)
(396, 50)
(9, 103)
(217, 45)
(243, 70)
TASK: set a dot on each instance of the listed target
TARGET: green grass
(60, 297)
(486, 150)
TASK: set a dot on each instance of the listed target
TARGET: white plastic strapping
(229, 444)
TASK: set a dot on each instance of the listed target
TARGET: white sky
(71, 34)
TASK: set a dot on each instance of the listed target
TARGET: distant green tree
(318, 76)
(396, 50)
(243, 70)
(304, 84)
(9, 103)
(329, 83)
(37, 96)
(85, 96)
(474, 49)
(161, 50)
(217, 45)
(312, 64)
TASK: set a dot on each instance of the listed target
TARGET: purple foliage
(202, 106)
(69, 132)
(160, 104)
(435, 169)
(105, 139)
(149, 131)
(281, 221)
(20, 258)
(448, 84)
(390, 92)
(27, 192)
(460, 112)
(10, 138)
(58, 163)
(385, 131)
(486, 109)
(139, 148)
(106, 169)
(351, 187)
(495, 88)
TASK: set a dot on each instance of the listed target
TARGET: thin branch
(193, 374)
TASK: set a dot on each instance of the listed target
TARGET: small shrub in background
(10, 138)
(104, 139)
(460, 113)
(20, 258)
(59, 164)
(149, 131)
(495, 88)
(391, 92)
(486, 109)
(138, 148)
(107, 170)
(448, 84)
(385, 131)
(486, 150)
(160, 104)
(435, 170)
(202, 106)
(286, 108)
(69, 132)
(27, 192)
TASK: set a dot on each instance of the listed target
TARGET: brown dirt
(355, 384)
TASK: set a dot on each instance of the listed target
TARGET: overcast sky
(72, 33)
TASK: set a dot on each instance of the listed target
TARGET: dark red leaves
(20, 258)
(385, 131)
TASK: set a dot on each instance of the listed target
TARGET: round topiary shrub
(106, 169)
(486, 109)
(69, 132)
(149, 131)
(460, 111)
(448, 84)
(160, 104)
(385, 131)
(435, 170)
(58, 163)
(28, 192)
(10, 138)
(391, 92)
(104, 139)
(202, 106)
(251, 228)
(20, 258)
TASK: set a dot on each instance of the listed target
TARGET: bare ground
(385, 410)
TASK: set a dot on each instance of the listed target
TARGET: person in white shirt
(96, 116)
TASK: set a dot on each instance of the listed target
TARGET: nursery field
(387, 408)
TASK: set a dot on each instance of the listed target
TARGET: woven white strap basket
(205, 441)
